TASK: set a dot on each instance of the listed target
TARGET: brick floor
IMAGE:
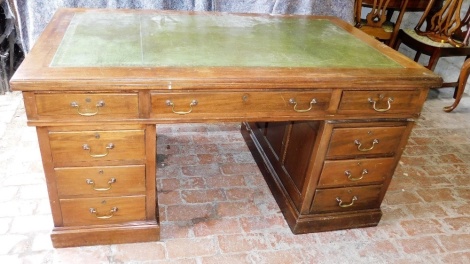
(216, 208)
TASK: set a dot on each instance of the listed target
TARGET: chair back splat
(443, 22)
(377, 22)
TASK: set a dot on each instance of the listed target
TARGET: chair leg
(433, 59)
(397, 43)
(463, 77)
(457, 83)
(417, 55)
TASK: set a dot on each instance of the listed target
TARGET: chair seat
(387, 26)
(423, 39)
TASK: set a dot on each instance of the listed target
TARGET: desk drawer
(352, 142)
(346, 199)
(338, 173)
(204, 104)
(115, 145)
(381, 102)
(100, 180)
(103, 210)
(87, 106)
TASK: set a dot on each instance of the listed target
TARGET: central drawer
(103, 210)
(269, 104)
(82, 146)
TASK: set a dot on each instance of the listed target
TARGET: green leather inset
(96, 39)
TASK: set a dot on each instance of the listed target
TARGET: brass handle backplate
(359, 145)
(351, 178)
(108, 147)
(82, 113)
(374, 104)
(340, 202)
(106, 216)
(92, 183)
(292, 101)
(170, 103)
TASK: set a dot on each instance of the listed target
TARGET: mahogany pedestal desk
(327, 112)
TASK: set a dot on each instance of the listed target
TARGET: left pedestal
(101, 183)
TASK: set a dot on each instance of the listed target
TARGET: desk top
(134, 48)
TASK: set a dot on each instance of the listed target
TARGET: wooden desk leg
(463, 77)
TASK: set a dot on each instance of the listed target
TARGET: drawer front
(381, 102)
(338, 173)
(346, 199)
(172, 105)
(100, 180)
(79, 146)
(87, 106)
(353, 142)
(105, 210)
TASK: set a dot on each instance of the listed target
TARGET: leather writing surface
(96, 39)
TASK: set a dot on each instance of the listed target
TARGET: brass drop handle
(170, 103)
(92, 183)
(106, 216)
(292, 101)
(340, 202)
(374, 104)
(108, 147)
(98, 106)
(351, 178)
(359, 145)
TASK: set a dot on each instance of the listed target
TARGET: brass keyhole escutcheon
(245, 98)
(97, 136)
(103, 202)
(88, 100)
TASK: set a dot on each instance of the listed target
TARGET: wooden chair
(445, 34)
(378, 21)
